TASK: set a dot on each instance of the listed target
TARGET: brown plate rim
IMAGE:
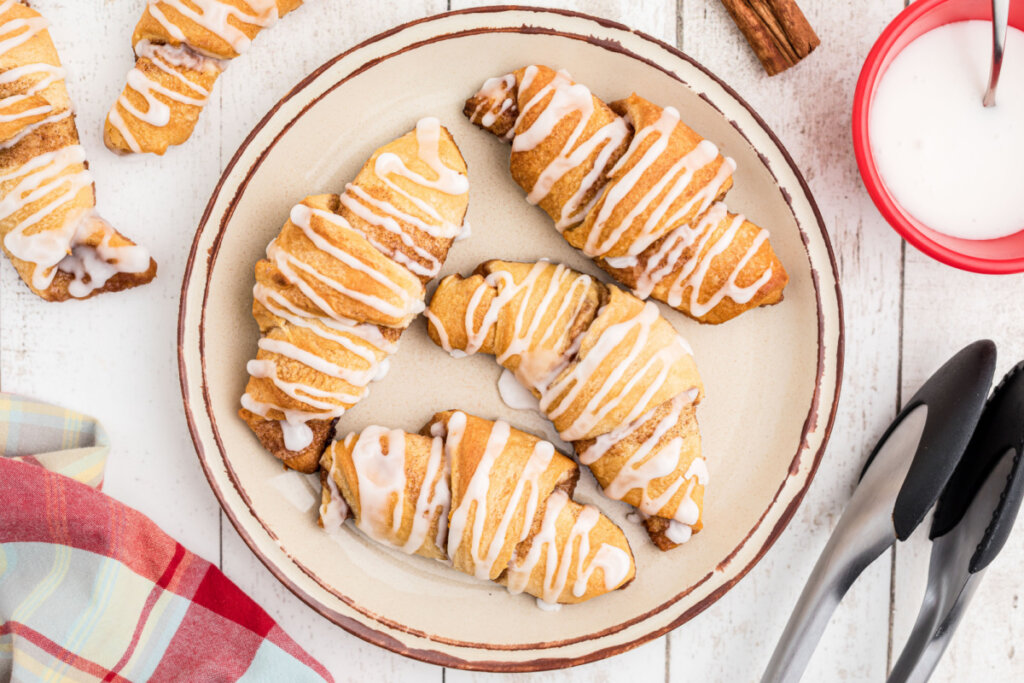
(383, 639)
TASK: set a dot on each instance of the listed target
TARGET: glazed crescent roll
(341, 282)
(635, 189)
(51, 232)
(494, 502)
(608, 370)
(181, 46)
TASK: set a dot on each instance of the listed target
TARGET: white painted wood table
(115, 357)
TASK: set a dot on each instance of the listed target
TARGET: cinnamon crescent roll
(634, 188)
(341, 282)
(607, 369)
(51, 232)
(181, 47)
(494, 502)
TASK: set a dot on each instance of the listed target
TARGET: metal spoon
(1000, 19)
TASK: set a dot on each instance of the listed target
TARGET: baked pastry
(341, 281)
(607, 369)
(51, 232)
(493, 501)
(181, 46)
(635, 189)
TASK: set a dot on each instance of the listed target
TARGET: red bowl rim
(895, 215)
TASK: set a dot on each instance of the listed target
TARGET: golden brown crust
(58, 289)
(198, 37)
(270, 435)
(370, 188)
(526, 166)
(657, 530)
(417, 450)
(184, 110)
(333, 236)
(552, 334)
(495, 107)
(672, 425)
(723, 267)
(645, 344)
(465, 457)
(604, 533)
(681, 142)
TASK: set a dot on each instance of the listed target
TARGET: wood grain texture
(114, 356)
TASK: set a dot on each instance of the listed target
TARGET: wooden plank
(945, 309)
(808, 107)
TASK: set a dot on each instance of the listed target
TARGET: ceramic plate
(771, 375)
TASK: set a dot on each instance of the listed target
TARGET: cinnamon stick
(776, 29)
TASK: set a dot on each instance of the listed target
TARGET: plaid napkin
(92, 590)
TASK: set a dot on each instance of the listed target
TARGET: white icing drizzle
(214, 16)
(158, 113)
(475, 496)
(538, 362)
(14, 99)
(53, 75)
(433, 502)
(465, 232)
(547, 606)
(53, 176)
(32, 127)
(543, 369)
(678, 533)
(693, 273)
(569, 385)
(16, 32)
(92, 266)
(402, 305)
(495, 100)
(645, 464)
(666, 190)
(386, 215)
(566, 99)
(363, 340)
(334, 511)
(381, 482)
(613, 561)
(211, 15)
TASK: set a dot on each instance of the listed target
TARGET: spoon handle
(1000, 20)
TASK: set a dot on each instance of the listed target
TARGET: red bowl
(1003, 255)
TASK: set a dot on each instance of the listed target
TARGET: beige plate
(771, 375)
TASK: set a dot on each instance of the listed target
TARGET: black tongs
(972, 521)
(904, 477)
